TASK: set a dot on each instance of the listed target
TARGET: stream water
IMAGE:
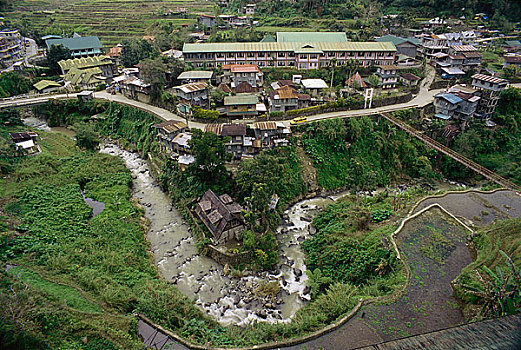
(231, 300)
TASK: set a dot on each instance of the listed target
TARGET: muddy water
(230, 300)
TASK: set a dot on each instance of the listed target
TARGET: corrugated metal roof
(453, 99)
(78, 43)
(267, 46)
(240, 100)
(43, 84)
(464, 48)
(187, 88)
(195, 74)
(305, 37)
(85, 62)
(489, 79)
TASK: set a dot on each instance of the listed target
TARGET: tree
(153, 72)
(13, 83)
(86, 137)
(10, 117)
(210, 156)
(135, 51)
(55, 55)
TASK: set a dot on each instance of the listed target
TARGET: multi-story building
(193, 94)
(467, 57)
(431, 44)
(286, 98)
(235, 134)
(11, 47)
(298, 55)
(167, 132)
(80, 46)
(387, 77)
(237, 74)
(407, 47)
(243, 105)
(490, 88)
(459, 105)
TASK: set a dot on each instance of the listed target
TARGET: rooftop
(489, 79)
(453, 99)
(240, 100)
(288, 46)
(188, 88)
(76, 43)
(171, 126)
(85, 62)
(44, 84)
(241, 68)
(195, 74)
(314, 84)
(306, 37)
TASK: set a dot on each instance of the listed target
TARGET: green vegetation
(67, 296)
(347, 248)
(362, 154)
(13, 83)
(497, 149)
(492, 281)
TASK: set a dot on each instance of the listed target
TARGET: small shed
(85, 96)
(46, 86)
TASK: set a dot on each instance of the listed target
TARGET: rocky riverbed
(231, 300)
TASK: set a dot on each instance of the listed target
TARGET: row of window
(288, 55)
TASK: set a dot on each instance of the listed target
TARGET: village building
(167, 132)
(181, 143)
(12, 48)
(465, 57)
(512, 46)
(387, 77)
(407, 47)
(221, 216)
(26, 141)
(458, 105)
(236, 134)
(248, 75)
(356, 82)
(512, 60)
(286, 98)
(271, 134)
(80, 46)
(195, 76)
(87, 72)
(115, 54)
(47, 86)
(406, 61)
(409, 79)
(207, 21)
(192, 94)
(135, 88)
(244, 105)
(431, 44)
(249, 9)
(315, 87)
(297, 55)
(490, 89)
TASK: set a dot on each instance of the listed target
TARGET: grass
(65, 295)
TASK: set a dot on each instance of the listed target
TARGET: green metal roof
(513, 43)
(240, 100)
(78, 43)
(268, 39)
(391, 38)
(195, 74)
(397, 40)
(44, 84)
(86, 62)
(306, 37)
(291, 47)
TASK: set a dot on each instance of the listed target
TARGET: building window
(303, 57)
(240, 55)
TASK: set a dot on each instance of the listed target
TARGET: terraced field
(111, 20)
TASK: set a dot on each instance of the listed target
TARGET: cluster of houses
(462, 102)
(12, 48)
(240, 141)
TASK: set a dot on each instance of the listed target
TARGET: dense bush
(362, 154)
(68, 112)
(13, 83)
(200, 113)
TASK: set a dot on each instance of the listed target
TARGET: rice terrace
(246, 174)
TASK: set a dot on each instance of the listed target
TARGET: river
(231, 300)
